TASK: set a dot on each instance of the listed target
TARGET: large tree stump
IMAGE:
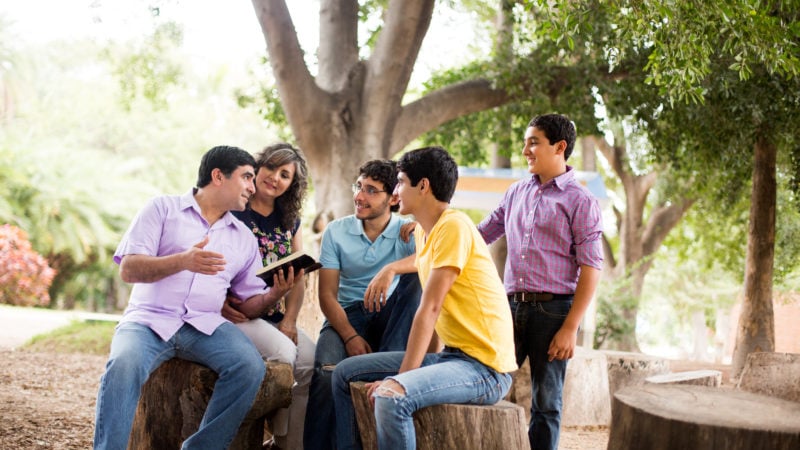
(773, 374)
(586, 400)
(711, 378)
(682, 417)
(450, 426)
(175, 397)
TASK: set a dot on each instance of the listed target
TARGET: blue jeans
(136, 351)
(386, 330)
(535, 324)
(446, 377)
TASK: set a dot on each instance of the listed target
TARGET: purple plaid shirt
(551, 230)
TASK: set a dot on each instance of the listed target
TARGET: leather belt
(532, 297)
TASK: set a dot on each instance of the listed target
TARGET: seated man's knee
(390, 389)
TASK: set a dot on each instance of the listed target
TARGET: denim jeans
(535, 324)
(386, 330)
(446, 377)
(136, 351)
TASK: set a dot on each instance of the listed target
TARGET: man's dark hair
(435, 164)
(383, 171)
(226, 159)
(557, 128)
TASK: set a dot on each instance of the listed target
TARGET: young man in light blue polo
(354, 250)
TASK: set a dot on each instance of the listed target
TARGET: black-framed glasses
(369, 190)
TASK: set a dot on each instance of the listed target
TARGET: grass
(91, 337)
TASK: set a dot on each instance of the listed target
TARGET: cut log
(175, 397)
(451, 426)
(773, 374)
(710, 378)
(682, 417)
(586, 400)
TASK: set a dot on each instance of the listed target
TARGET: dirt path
(47, 402)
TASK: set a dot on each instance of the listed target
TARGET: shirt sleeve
(493, 226)
(587, 229)
(142, 237)
(328, 253)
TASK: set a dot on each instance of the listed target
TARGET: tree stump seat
(175, 397)
(686, 417)
(773, 374)
(452, 426)
(704, 377)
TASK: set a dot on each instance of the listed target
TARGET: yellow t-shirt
(475, 316)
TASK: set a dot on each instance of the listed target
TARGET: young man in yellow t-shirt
(463, 304)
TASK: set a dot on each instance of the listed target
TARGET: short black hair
(225, 158)
(556, 127)
(383, 171)
(435, 164)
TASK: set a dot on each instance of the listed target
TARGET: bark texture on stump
(450, 426)
(175, 397)
(630, 369)
(681, 417)
(773, 374)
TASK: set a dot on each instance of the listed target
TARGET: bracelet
(350, 338)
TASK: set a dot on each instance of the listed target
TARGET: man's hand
(563, 344)
(230, 312)
(202, 261)
(377, 292)
(281, 285)
(357, 346)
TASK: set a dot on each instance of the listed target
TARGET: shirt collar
(560, 181)
(391, 231)
(187, 201)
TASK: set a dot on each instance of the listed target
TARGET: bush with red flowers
(25, 276)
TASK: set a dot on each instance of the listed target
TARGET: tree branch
(441, 106)
(391, 63)
(662, 220)
(299, 94)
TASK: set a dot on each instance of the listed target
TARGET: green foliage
(611, 324)
(148, 69)
(89, 337)
(25, 276)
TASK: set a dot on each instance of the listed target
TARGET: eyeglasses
(369, 190)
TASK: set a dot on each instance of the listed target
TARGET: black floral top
(273, 241)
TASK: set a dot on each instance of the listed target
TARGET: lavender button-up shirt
(551, 230)
(171, 224)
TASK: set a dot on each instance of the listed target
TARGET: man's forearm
(149, 269)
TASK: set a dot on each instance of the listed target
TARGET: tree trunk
(756, 329)
(640, 238)
(352, 111)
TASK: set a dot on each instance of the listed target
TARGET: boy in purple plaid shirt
(553, 226)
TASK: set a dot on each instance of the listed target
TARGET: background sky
(214, 30)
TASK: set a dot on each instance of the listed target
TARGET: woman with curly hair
(273, 215)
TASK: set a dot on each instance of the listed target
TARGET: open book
(298, 260)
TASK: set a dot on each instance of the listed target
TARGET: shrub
(25, 276)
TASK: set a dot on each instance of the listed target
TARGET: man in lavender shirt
(183, 254)
(553, 226)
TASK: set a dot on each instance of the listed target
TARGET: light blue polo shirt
(346, 248)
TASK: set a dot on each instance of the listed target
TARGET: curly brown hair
(290, 202)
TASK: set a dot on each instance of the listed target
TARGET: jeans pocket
(556, 309)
